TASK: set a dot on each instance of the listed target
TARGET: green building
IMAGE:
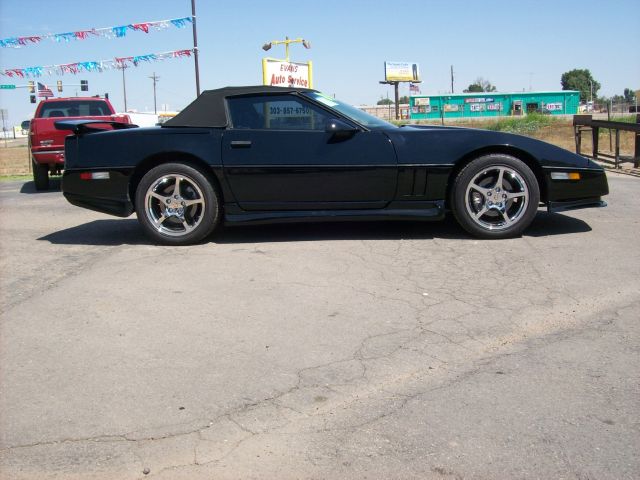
(493, 104)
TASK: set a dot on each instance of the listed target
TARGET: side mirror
(339, 130)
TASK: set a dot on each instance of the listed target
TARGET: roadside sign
(279, 73)
(7, 87)
(401, 72)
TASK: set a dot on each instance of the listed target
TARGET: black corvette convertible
(270, 154)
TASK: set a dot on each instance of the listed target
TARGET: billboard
(401, 72)
(279, 73)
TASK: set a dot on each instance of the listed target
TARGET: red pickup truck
(47, 144)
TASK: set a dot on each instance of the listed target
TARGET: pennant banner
(108, 32)
(93, 66)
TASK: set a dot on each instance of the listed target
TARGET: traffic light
(59, 85)
(84, 85)
(32, 98)
(32, 87)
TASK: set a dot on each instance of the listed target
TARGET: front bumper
(573, 194)
(555, 207)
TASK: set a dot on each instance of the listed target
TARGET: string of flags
(93, 66)
(107, 32)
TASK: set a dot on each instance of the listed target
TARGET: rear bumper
(109, 196)
(103, 205)
(48, 157)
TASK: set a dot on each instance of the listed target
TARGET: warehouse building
(493, 104)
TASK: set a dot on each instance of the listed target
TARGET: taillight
(94, 176)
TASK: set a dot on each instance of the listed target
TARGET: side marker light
(565, 176)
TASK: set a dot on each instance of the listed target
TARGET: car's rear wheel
(177, 204)
(495, 196)
(40, 175)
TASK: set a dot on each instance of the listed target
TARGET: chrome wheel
(497, 197)
(174, 204)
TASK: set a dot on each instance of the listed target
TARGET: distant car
(262, 154)
(46, 143)
(24, 126)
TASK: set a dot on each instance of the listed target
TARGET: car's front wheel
(177, 204)
(495, 196)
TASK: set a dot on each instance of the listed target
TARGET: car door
(277, 155)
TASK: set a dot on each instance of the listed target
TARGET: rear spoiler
(80, 127)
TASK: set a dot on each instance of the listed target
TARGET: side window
(275, 112)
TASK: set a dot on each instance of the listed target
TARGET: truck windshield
(357, 115)
(75, 108)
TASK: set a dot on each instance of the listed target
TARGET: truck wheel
(40, 176)
(495, 196)
(177, 204)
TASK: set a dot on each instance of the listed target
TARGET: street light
(267, 46)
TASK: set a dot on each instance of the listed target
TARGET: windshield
(357, 115)
(75, 108)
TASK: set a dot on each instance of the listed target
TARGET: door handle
(241, 144)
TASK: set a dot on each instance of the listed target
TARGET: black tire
(488, 210)
(40, 176)
(177, 221)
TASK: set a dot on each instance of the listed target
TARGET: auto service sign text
(279, 73)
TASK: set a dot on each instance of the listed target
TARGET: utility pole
(124, 86)
(155, 79)
(195, 45)
(451, 78)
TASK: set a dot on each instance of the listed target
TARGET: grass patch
(13, 178)
(624, 119)
(526, 125)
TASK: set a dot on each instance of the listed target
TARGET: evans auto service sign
(279, 73)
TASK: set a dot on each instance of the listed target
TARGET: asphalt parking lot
(362, 350)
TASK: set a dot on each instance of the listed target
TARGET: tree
(403, 100)
(385, 101)
(480, 85)
(629, 95)
(581, 80)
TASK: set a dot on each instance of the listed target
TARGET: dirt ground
(14, 159)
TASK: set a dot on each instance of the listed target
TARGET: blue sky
(514, 44)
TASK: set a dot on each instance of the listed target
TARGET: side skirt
(432, 210)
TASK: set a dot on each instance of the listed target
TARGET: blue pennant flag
(89, 66)
(144, 58)
(181, 22)
(120, 31)
(9, 42)
(33, 71)
(64, 37)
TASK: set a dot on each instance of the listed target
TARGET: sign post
(4, 113)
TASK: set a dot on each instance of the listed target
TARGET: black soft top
(208, 110)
